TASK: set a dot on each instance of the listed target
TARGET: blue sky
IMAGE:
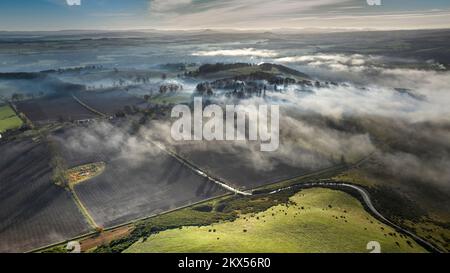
(242, 14)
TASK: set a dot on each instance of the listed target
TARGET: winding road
(327, 184)
(368, 202)
(361, 191)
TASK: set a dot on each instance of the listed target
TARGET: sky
(32, 15)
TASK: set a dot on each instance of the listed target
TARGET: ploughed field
(136, 182)
(234, 169)
(34, 211)
(241, 167)
(109, 102)
(52, 109)
(75, 156)
(160, 183)
(63, 107)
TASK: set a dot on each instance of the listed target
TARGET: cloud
(237, 52)
(303, 144)
(350, 100)
(162, 6)
(408, 166)
(102, 138)
(254, 7)
(318, 128)
(189, 13)
(371, 82)
(330, 60)
(73, 2)
(260, 14)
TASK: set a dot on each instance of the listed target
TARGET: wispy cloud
(232, 12)
(73, 2)
(238, 52)
(289, 14)
(162, 6)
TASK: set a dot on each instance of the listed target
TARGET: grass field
(432, 225)
(8, 119)
(314, 220)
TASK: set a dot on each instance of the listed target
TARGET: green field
(314, 220)
(8, 119)
(434, 225)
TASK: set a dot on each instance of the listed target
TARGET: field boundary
(15, 115)
(199, 171)
(88, 107)
(337, 168)
(89, 219)
(129, 223)
(280, 185)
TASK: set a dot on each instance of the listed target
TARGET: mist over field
(378, 100)
(356, 97)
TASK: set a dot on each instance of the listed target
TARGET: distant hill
(245, 71)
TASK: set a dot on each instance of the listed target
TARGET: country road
(368, 202)
(363, 193)
(183, 161)
(197, 170)
(89, 108)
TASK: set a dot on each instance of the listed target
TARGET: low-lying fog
(396, 107)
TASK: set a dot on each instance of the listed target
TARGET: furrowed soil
(35, 212)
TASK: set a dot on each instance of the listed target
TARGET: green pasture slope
(312, 220)
(8, 119)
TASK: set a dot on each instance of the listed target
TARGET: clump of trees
(203, 208)
(205, 88)
(213, 68)
(58, 164)
(166, 88)
(17, 97)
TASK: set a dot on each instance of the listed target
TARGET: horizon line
(324, 29)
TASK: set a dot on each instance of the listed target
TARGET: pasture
(8, 119)
(314, 220)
